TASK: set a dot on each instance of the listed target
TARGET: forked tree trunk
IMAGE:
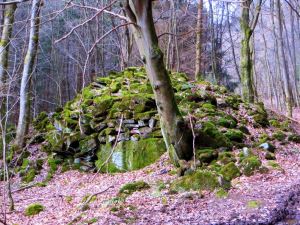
(24, 109)
(177, 135)
(198, 72)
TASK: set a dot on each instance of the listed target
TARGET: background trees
(83, 39)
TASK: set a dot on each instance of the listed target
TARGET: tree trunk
(286, 78)
(4, 49)
(24, 114)
(198, 72)
(177, 135)
(246, 61)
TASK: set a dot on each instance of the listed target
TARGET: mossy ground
(33, 209)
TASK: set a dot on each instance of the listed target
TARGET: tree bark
(4, 49)
(177, 135)
(247, 29)
(24, 108)
(286, 78)
(198, 72)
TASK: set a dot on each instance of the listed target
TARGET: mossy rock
(263, 138)
(130, 188)
(279, 135)
(226, 157)
(130, 155)
(197, 181)
(227, 121)
(34, 209)
(235, 135)
(250, 164)
(260, 115)
(88, 144)
(294, 138)
(230, 171)
(102, 105)
(206, 155)
(233, 101)
(270, 156)
(210, 136)
(208, 107)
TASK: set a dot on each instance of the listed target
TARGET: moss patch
(130, 188)
(34, 209)
(199, 180)
(230, 171)
(250, 164)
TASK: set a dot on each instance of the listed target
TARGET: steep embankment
(243, 164)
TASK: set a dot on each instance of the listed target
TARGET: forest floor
(259, 199)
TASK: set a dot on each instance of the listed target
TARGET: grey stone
(141, 123)
(152, 122)
(132, 125)
(134, 138)
(129, 121)
(111, 138)
(77, 161)
(268, 147)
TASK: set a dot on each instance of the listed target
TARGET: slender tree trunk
(198, 72)
(24, 113)
(246, 62)
(286, 78)
(177, 135)
(232, 44)
(247, 29)
(8, 21)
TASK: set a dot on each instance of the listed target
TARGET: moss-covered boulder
(207, 155)
(197, 181)
(230, 171)
(130, 188)
(260, 115)
(211, 136)
(250, 164)
(129, 155)
(235, 135)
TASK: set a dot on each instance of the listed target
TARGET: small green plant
(221, 193)
(34, 209)
(253, 204)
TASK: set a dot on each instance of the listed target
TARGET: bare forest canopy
(79, 41)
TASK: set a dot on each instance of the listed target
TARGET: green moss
(279, 135)
(226, 157)
(227, 121)
(253, 204)
(212, 137)
(130, 155)
(221, 193)
(274, 165)
(34, 209)
(199, 180)
(270, 156)
(115, 87)
(53, 164)
(260, 115)
(206, 155)
(233, 101)
(29, 176)
(263, 138)
(235, 135)
(230, 171)
(294, 138)
(208, 107)
(130, 188)
(41, 121)
(250, 164)
(274, 123)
